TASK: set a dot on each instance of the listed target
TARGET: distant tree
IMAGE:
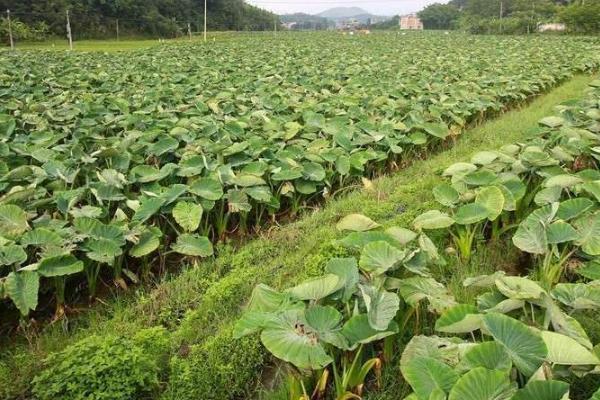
(166, 18)
(507, 16)
(439, 16)
(582, 17)
(460, 4)
(390, 24)
(22, 31)
(487, 8)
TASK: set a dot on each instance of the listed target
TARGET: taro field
(116, 169)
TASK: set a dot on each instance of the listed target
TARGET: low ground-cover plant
(108, 367)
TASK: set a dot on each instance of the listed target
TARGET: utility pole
(501, 14)
(117, 29)
(10, 36)
(275, 24)
(69, 35)
(189, 31)
(205, 20)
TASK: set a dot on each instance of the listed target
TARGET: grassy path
(200, 305)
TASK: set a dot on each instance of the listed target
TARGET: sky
(378, 7)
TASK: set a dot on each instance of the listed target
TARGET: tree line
(512, 16)
(36, 19)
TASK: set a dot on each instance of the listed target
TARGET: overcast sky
(378, 7)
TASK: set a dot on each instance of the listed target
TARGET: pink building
(411, 22)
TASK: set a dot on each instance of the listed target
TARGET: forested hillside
(168, 18)
(512, 16)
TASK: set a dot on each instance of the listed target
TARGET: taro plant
(89, 146)
(543, 308)
(336, 325)
(298, 327)
(558, 232)
(509, 359)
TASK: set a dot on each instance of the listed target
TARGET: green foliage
(228, 302)
(5, 381)
(219, 368)
(22, 31)
(304, 248)
(136, 17)
(353, 306)
(108, 367)
(525, 327)
(582, 17)
(439, 16)
(520, 16)
(135, 187)
(391, 24)
(156, 343)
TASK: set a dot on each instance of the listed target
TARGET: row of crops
(519, 338)
(114, 167)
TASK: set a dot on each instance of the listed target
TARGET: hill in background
(303, 21)
(337, 16)
(342, 12)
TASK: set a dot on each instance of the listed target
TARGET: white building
(552, 27)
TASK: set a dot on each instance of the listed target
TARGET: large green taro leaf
(563, 350)
(492, 199)
(579, 296)
(13, 221)
(193, 245)
(382, 306)
(379, 257)
(483, 384)
(471, 213)
(417, 289)
(347, 270)
(317, 288)
(490, 355)
(22, 288)
(358, 330)
(588, 229)
(543, 390)
(293, 341)
(148, 207)
(59, 266)
(462, 318)
(148, 241)
(573, 208)
(446, 195)
(425, 375)
(531, 234)
(187, 215)
(525, 347)
(207, 188)
(12, 254)
(433, 219)
(357, 223)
